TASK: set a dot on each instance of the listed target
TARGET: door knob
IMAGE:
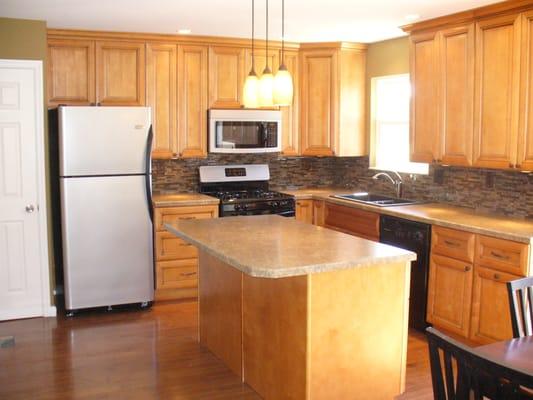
(30, 208)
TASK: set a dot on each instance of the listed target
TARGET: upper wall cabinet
(497, 80)
(120, 73)
(192, 100)
(161, 96)
(332, 90)
(424, 99)
(83, 72)
(484, 77)
(70, 72)
(290, 114)
(226, 76)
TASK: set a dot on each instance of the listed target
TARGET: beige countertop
(270, 246)
(183, 199)
(517, 229)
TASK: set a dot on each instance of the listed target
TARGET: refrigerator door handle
(148, 172)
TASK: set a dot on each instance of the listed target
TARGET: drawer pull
(497, 276)
(500, 256)
(187, 273)
(468, 268)
(451, 244)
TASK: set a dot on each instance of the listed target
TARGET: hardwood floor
(150, 354)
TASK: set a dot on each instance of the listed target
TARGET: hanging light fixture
(266, 82)
(283, 87)
(251, 85)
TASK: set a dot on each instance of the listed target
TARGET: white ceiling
(306, 20)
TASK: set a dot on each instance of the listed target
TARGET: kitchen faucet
(398, 182)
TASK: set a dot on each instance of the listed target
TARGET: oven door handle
(290, 213)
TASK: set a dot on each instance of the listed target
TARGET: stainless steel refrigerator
(105, 192)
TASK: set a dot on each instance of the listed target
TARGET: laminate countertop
(183, 199)
(462, 218)
(270, 246)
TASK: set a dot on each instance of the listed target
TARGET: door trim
(48, 309)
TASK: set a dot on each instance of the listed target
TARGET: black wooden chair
(458, 372)
(521, 302)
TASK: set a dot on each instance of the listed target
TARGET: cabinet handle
(468, 268)
(500, 256)
(497, 277)
(188, 273)
(451, 244)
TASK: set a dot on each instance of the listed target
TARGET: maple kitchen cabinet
(332, 91)
(290, 117)
(226, 76)
(176, 272)
(467, 292)
(70, 72)
(304, 211)
(361, 223)
(84, 72)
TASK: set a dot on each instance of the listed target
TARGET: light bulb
(266, 87)
(250, 91)
(283, 87)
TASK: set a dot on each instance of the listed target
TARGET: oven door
(238, 131)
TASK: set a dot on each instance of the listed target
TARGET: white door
(24, 271)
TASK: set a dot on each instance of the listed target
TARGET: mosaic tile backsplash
(501, 192)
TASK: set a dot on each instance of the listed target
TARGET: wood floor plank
(132, 355)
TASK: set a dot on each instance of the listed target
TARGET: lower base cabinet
(304, 211)
(364, 224)
(490, 306)
(176, 262)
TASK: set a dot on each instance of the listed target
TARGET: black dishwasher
(416, 237)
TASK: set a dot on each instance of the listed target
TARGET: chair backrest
(521, 302)
(457, 371)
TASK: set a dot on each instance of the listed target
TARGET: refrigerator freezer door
(107, 241)
(102, 140)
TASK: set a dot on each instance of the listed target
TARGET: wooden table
(516, 354)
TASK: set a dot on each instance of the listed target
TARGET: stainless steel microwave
(244, 131)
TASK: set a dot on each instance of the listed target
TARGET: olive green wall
(26, 39)
(389, 57)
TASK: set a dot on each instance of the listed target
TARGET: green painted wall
(26, 39)
(389, 57)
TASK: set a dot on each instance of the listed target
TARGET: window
(389, 125)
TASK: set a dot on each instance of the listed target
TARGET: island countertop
(270, 246)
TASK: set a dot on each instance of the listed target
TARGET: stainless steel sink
(375, 199)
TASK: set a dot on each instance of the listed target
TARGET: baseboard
(50, 311)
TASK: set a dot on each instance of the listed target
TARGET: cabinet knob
(497, 276)
(511, 165)
(468, 268)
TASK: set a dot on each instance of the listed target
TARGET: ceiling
(306, 20)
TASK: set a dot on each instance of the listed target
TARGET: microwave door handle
(264, 134)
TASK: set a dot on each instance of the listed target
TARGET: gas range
(243, 190)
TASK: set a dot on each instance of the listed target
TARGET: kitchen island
(301, 312)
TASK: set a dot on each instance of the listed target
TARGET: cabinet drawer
(172, 214)
(353, 221)
(503, 255)
(170, 247)
(177, 274)
(453, 243)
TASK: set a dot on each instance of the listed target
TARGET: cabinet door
(304, 211)
(261, 59)
(120, 74)
(449, 294)
(290, 114)
(424, 135)
(319, 212)
(457, 95)
(70, 71)
(192, 101)
(491, 315)
(319, 98)
(496, 92)
(353, 221)
(161, 97)
(525, 137)
(226, 76)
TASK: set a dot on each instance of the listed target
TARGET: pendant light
(251, 85)
(266, 82)
(283, 87)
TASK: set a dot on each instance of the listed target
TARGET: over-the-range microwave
(244, 131)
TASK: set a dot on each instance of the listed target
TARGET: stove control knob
(275, 204)
(237, 207)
